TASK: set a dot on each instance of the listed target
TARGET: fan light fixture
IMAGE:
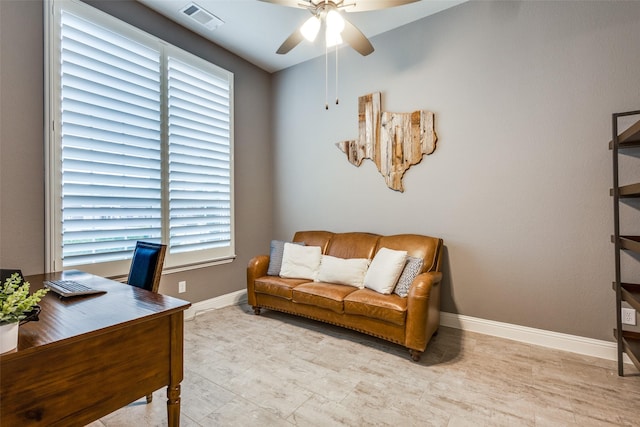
(310, 28)
(334, 24)
(334, 27)
(337, 28)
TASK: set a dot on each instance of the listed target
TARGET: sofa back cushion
(314, 238)
(353, 245)
(366, 245)
(425, 247)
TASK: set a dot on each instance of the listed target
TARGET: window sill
(187, 267)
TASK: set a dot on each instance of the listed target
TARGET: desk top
(64, 320)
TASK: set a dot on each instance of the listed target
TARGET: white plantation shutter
(140, 149)
(199, 158)
(110, 137)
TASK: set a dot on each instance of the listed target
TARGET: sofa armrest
(422, 284)
(257, 267)
(423, 310)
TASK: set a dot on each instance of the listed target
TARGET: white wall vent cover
(202, 16)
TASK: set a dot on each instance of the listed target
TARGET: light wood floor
(281, 370)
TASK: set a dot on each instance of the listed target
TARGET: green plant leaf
(15, 300)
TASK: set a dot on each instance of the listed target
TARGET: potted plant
(16, 307)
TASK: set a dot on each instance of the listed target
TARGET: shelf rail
(615, 146)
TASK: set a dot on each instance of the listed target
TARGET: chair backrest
(146, 265)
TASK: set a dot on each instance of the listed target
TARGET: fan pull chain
(326, 77)
(337, 74)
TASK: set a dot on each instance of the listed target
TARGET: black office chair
(146, 269)
(146, 265)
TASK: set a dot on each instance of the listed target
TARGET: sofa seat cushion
(320, 294)
(365, 302)
(277, 286)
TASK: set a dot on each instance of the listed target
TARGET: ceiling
(254, 30)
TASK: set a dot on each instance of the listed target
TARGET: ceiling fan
(338, 29)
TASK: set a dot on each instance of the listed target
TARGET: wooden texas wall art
(393, 141)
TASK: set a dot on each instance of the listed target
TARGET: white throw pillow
(275, 256)
(300, 262)
(350, 271)
(385, 269)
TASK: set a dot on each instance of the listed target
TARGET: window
(139, 146)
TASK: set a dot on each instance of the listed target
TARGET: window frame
(53, 144)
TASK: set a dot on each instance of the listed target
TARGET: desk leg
(176, 373)
(173, 406)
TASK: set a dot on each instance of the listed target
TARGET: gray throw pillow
(275, 256)
(412, 268)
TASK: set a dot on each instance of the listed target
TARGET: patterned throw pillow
(411, 270)
(275, 256)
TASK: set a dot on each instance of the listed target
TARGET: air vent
(202, 16)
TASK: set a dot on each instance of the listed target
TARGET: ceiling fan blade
(366, 5)
(354, 37)
(292, 41)
(300, 4)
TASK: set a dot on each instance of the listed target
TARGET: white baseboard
(234, 298)
(572, 343)
(541, 337)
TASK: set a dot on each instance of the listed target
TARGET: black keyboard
(70, 288)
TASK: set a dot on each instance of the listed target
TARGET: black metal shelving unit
(621, 144)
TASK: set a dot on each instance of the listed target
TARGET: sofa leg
(256, 310)
(415, 355)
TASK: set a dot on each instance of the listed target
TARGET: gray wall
(518, 187)
(21, 140)
(22, 204)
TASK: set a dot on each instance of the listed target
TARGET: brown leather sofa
(410, 321)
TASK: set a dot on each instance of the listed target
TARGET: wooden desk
(89, 356)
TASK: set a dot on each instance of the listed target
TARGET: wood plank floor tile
(282, 370)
